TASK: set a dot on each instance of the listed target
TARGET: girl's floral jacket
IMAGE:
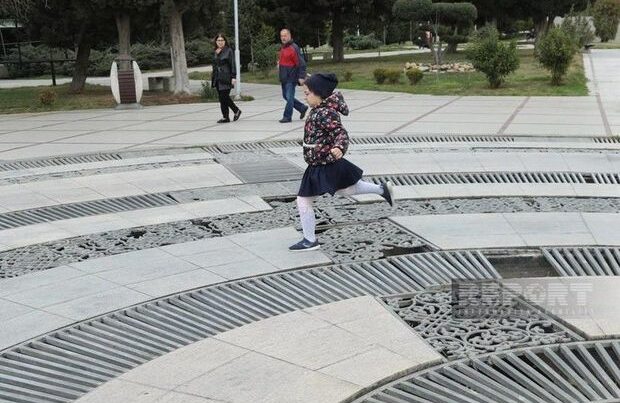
(323, 130)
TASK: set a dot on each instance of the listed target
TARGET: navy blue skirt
(329, 178)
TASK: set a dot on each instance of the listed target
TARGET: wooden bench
(160, 83)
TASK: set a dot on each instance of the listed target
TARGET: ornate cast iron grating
(499, 177)
(333, 212)
(45, 162)
(587, 371)
(63, 365)
(584, 261)
(106, 170)
(21, 218)
(513, 324)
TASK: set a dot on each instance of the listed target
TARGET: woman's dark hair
(220, 35)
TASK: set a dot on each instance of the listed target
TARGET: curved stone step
(185, 318)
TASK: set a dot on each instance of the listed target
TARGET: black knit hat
(322, 84)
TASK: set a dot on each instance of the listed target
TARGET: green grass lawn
(26, 99)
(529, 80)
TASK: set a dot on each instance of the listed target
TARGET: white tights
(306, 212)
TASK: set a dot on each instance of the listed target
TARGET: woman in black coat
(224, 77)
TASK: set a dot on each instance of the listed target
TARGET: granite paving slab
(81, 290)
(321, 354)
(462, 231)
(589, 304)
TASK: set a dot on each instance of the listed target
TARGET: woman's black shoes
(235, 117)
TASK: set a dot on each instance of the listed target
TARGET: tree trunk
(2, 42)
(541, 26)
(252, 49)
(80, 70)
(179, 61)
(452, 46)
(123, 26)
(438, 51)
(436, 45)
(337, 36)
(434, 52)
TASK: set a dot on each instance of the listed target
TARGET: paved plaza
(143, 253)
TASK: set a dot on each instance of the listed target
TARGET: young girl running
(325, 143)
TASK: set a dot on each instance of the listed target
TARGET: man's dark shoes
(303, 114)
(237, 114)
(388, 192)
(284, 120)
(304, 245)
(225, 120)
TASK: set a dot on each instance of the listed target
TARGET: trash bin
(126, 83)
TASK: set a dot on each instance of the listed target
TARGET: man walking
(292, 71)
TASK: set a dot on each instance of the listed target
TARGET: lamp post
(237, 52)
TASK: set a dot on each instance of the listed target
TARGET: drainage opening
(400, 250)
(518, 263)
(588, 178)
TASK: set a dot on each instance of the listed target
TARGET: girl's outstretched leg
(385, 190)
(306, 215)
(308, 225)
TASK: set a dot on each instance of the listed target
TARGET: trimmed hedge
(496, 59)
(414, 75)
(362, 42)
(555, 51)
(392, 76)
(606, 14)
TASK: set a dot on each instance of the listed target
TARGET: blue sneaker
(388, 192)
(304, 245)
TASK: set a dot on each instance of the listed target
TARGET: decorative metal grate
(65, 364)
(38, 163)
(378, 140)
(613, 139)
(105, 170)
(577, 372)
(439, 138)
(229, 148)
(500, 177)
(330, 212)
(429, 138)
(512, 324)
(373, 240)
(270, 170)
(20, 218)
(490, 177)
(606, 178)
(584, 261)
